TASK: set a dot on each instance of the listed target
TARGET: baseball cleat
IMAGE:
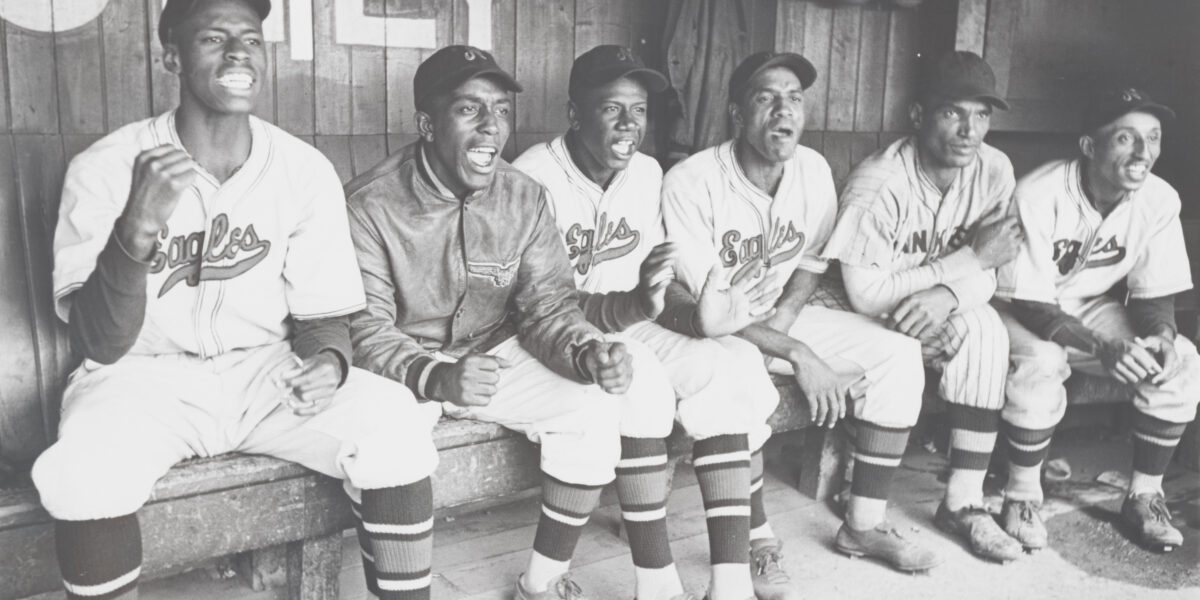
(563, 588)
(979, 528)
(885, 543)
(1147, 517)
(1022, 521)
(770, 581)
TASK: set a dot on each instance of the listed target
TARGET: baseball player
(762, 196)
(471, 303)
(203, 264)
(1092, 222)
(605, 197)
(921, 227)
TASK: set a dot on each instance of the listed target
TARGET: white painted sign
(352, 26)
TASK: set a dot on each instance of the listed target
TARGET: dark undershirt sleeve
(1150, 315)
(331, 335)
(1051, 322)
(108, 311)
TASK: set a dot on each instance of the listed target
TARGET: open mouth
(623, 148)
(481, 157)
(783, 132)
(236, 81)
(1138, 170)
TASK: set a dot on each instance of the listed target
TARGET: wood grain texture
(972, 25)
(33, 92)
(546, 46)
(79, 76)
(872, 70)
(843, 69)
(817, 39)
(602, 22)
(900, 80)
(331, 72)
(126, 63)
(5, 116)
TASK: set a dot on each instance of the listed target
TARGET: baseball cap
(176, 11)
(449, 67)
(761, 61)
(1112, 104)
(609, 62)
(961, 75)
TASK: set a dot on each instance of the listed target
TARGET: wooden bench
(289, 519)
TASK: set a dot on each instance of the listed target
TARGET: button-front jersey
(1072, 254)
(718, 216)
(236, 259)
(607, 232)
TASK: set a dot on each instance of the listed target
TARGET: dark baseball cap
(1113, 104)
(176, 11)
(610, 62)
(761, 61)
(960, 75)
(451, 66)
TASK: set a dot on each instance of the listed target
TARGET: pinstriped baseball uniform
(608, 233)
(1072, 256)
(893, 218)
(718, 216)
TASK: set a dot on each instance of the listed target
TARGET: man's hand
(656, 273)
(472, 381)
(1163, 351)
(160, 176)
(1128, 361)
(825, 390)
(750, 298)
(609, 364)
(921, 314)
(313, 384)
(997, 242)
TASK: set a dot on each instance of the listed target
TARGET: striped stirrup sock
(972, 439)
(642, 491)
(396, 535)
(722, 465)
(877, 454)
(565, 510)
(1154, 442)
(100, 559)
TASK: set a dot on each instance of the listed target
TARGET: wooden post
(313, 566)
(823, 462)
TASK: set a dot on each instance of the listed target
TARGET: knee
(396, 445)
(903, 373)
(77, 482)
(987, 333)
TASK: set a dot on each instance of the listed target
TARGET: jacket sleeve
(613, 311)
(379, 345)
(550, 323)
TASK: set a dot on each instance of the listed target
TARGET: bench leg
(313, 567)
(265, 568)
(823, 462)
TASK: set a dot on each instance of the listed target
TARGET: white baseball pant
(971, 351)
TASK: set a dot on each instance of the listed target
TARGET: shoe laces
(1158, 508)
(890, 530)
(567, 588)
(767, 560)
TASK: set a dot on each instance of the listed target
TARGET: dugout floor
(477, 555)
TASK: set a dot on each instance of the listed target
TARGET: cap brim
(804, 70)
(1162, 111)
(498, 74)
(654, 81)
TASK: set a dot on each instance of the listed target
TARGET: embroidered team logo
(1067, 255)
(587, 248)
(781, 243)
(499, 275)
(191, 257)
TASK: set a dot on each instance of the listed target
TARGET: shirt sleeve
(1162, 269)
(1032, 274)
(378, 344)
(320, 270)
(824, 198)
(688, 220)
(550, 323)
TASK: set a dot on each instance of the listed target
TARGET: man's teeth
(237, 81)
(481, 157)
(623, 147)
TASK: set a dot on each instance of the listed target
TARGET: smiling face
(608, 123)
(770, 115)
(1122, 153)
(465, 130)
(949, 134)
(219, 55)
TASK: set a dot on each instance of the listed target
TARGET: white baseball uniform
(895, 221)
(718, 216)
(1072, 257)
(722, 383)
(237, 260)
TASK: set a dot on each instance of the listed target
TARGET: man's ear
(171, 60)
(916, 114)
(572, 115)
(424, 125)
(735, 115)
(1087, 145)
